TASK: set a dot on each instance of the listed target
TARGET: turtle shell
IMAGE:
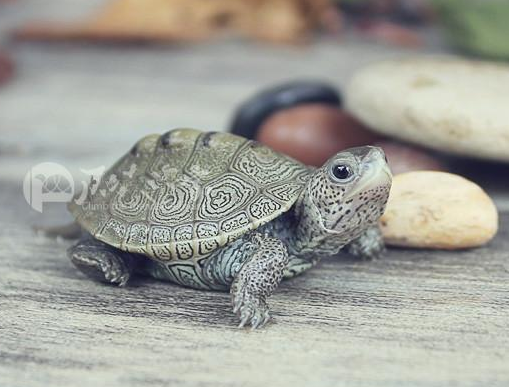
(184, 194)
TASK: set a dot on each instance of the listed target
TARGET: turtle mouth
(376, 174)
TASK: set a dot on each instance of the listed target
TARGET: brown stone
(392, 33)
(277, 21)
(406, 158)
(6, 68)
(312, 133)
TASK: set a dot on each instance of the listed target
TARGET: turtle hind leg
(102, 262)
(255, 281)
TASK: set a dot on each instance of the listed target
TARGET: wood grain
(418, 317)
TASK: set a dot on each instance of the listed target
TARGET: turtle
(216, 211)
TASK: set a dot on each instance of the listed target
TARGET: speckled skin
(304, 215)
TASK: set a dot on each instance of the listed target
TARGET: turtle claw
(115, 271)
(117, 278)
(250, 309)
(237, 303)
(255, 318)
(244, 318)
(118, 275)
(260, 319)
(369, 246)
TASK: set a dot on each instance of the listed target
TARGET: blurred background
(81, 81)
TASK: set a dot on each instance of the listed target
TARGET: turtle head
(350, 191)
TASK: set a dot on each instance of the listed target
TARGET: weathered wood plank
(415, 317)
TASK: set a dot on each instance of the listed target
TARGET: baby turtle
(218, 211)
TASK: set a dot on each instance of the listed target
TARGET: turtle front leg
(102, 262)
(255, 281)
(368, 246)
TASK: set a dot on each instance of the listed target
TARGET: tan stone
(429, 209)
(450, 104)
(276, 21)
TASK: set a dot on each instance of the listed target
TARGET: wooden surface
(415, 318)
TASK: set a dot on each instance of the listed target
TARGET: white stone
(429, 209)
(445, 103)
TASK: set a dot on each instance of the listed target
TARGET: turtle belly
(217, 270)
(187, 274)
(214, 271)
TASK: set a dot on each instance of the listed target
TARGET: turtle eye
(341, 172)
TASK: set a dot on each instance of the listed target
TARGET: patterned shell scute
(263, 165)
(186, 193)
(223, 197)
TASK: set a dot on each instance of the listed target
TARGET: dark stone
(251, 114)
